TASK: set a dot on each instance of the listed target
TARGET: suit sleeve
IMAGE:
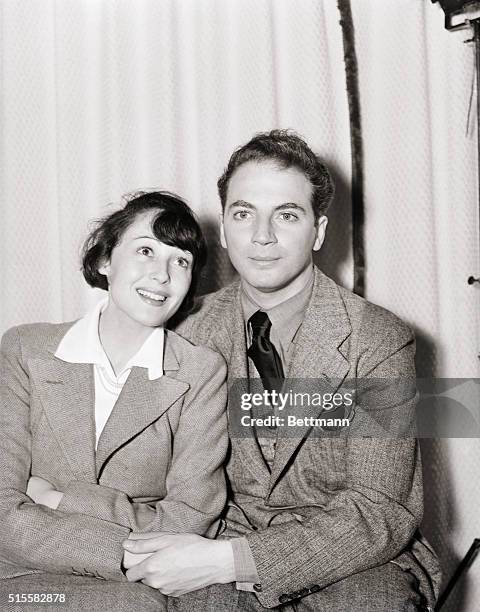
(367, 522)
(32, 535)
(196, 489)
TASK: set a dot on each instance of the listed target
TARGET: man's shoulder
(370, 318)
(367, 320)
(210, 312)
(193, 356)
(222, 298)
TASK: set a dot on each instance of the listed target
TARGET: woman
(112, 424)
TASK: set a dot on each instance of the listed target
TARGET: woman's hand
(43, 492)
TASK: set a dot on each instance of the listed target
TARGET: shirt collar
(81, 344)
(286, 317)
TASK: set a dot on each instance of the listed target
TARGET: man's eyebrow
(289, 206)
(285, 206)
(242, 204)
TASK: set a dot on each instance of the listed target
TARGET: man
(314, 522)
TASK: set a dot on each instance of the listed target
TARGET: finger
(135, 573)
(146, 546)
(145, 536)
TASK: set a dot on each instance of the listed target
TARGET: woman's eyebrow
(151, 237)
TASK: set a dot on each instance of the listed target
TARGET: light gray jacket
(333, 505)
(158, 465)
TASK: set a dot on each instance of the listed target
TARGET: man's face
(268, 226)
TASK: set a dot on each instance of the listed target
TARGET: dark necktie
(263, 354)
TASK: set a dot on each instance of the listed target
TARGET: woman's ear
(104, 267)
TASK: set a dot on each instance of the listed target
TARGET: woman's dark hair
(174, 224)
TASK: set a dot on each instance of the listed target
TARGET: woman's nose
(159, 272)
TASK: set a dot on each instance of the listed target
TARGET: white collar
(81, 344)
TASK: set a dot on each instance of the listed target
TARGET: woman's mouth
(151, 297)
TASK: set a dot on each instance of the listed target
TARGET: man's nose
(264, 233)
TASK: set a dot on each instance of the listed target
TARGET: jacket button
(314, 589)
(257, 587)
(284, 598)
(303, 592)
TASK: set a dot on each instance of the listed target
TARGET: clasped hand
(176, 564)
(43, 492)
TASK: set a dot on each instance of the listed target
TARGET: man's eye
(144, 250)
(288, 216)
(242, 214)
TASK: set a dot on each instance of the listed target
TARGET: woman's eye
(242, 214)
(288, 216)
(182, 262)
(144, 250)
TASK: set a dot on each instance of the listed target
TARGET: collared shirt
(81, 344)
(286, 319)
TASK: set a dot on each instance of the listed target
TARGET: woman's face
(147, 279)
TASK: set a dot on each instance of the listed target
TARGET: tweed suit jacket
(158, 465)
(330, 506)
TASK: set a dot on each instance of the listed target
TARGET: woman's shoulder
(35, 337)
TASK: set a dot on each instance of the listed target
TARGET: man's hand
(131, 559)
(43, 492)
(181, 563)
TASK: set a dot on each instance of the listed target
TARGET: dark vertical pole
(356, 144)
(476, 38)
(465, 563)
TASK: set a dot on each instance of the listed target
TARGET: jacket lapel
(140, 403)
(67, 394)
(233, 345)
(317, 356)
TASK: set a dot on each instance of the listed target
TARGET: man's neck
(267, 300)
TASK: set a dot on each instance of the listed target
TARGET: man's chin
(266, 285)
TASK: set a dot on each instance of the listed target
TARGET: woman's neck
(120, 339)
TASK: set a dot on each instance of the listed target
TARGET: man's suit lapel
(230, 340)
(140, 403)
(318, 356)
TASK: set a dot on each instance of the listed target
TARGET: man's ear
(223, 242)
(320, 232)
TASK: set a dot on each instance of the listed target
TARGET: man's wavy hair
(287, 150)
(174, 224)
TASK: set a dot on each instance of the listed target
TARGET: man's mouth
(151, 296)
(264, 261)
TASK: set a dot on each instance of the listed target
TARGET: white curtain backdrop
(421, 236)
(104, 97)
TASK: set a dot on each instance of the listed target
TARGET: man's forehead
(265, 181)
